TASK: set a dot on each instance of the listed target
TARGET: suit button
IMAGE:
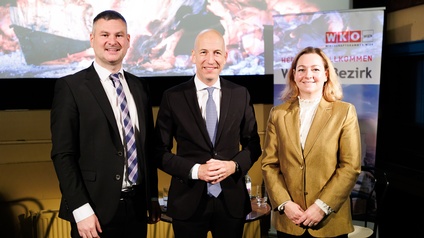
(120, 153)
(117, 177)
(301, 167)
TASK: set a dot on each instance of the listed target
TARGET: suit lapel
(224, 107)
(291, 121)
(190, 96)
(321, 118)
(135, 88)
(96, 88)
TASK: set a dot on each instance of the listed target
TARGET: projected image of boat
(47, 33)
(39, 47)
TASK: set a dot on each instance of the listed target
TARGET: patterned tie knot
(115, 79)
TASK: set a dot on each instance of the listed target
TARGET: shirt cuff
(194, 171)
(281, 207)
(327, 209)
(82, 212)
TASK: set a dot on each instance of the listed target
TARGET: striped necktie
(132, 168)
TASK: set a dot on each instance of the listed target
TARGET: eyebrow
(315, 65)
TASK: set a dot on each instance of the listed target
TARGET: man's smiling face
(210, 56)
(110, 42)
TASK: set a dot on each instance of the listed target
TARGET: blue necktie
(211, 122)
(211, 115)
(132, 168)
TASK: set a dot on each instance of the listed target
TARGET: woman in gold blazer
(312, 152)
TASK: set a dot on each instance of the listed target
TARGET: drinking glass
(261, 195)
(165, 196)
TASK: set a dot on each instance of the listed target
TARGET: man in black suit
(200, 161)
(99, 198)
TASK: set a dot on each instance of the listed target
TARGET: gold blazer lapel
(292, 125)
(321, 118)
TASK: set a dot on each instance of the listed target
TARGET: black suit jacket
(180, 117)
(87, 151)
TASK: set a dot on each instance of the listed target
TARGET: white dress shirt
(86, 210)
(202, 98)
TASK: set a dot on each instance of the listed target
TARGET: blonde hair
(332, 90)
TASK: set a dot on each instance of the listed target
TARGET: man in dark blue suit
(100, 197)
(200, 161)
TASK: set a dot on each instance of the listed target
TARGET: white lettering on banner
(351, 39)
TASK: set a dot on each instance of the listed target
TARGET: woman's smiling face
(310, 76)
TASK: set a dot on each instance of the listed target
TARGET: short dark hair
(109, 15)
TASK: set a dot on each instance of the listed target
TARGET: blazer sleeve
(339, 187)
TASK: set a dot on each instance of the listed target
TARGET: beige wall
(26, 171)
(405, 25)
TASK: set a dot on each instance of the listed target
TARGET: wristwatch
(237, 166)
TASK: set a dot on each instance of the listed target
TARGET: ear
(91, 39)
(193, 57)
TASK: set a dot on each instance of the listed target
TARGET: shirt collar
(105, 73)
(201, 86)
(308, 103)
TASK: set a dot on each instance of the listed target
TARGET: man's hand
(154, 213)
(214, 171)
(89, 227)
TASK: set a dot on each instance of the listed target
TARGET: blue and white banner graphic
(353, 40)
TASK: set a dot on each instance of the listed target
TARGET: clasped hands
(309, 218)
(214, 171)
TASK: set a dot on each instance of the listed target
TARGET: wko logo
(348, 37)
